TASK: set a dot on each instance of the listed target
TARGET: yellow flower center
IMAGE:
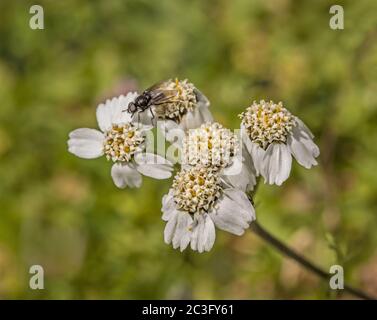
(183, 99)
(122, 141)
(267, 122)
(210, 145)
(196, 190)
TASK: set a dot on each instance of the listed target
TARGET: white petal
(119, 108)
(303, 126)
(156, 171)
(172, 132)
(277, 163)
(170, 227)
(114, 111)
(244, 180)
(285, 165)
(185, 240)
(204, 234)
(191, 120)
(250, 167)
(255, 151)
(86, 133)
(153, 166)
(232, 216)
(194, 236)
(205, 114)
(145, 118)
(168, 206)
(209, 229)
(125, 175)
(178, 230)
(104, 116)
(86, 143)
(196, 118)
(182, 233)
(253, 157)
(197, 234)
(202, 99)
(303, 148)
(247, 212)
(235, 167)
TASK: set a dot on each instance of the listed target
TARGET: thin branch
(284, 249)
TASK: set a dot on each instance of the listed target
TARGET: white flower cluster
(272, 135)
(204, 195)
(121, 139)
(210, 145)
(212, 188)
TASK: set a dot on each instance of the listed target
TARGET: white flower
(121, 140)
(210, 145)
(213, 146)
(197, 202)
(187, 110)
(272, 135)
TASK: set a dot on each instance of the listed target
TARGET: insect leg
(152, 113)
(150, 104)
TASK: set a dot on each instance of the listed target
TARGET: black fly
(153, 96)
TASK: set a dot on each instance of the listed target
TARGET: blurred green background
(95, 241)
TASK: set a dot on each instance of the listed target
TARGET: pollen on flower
(122, 142)
(267, 122)
(182, 100)
(196, 189)
(210, 145)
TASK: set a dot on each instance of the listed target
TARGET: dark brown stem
(268, 237)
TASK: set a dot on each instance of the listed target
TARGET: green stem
(287, 251)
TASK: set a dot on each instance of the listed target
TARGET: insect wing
(156, 86)
(163, 96)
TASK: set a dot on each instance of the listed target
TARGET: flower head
(186, 108)
(198, 201)
(267, 122)
(219, 149)
(272, 135)
(196, 189)
(210, 145)
(122, 140)
(183, 100)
